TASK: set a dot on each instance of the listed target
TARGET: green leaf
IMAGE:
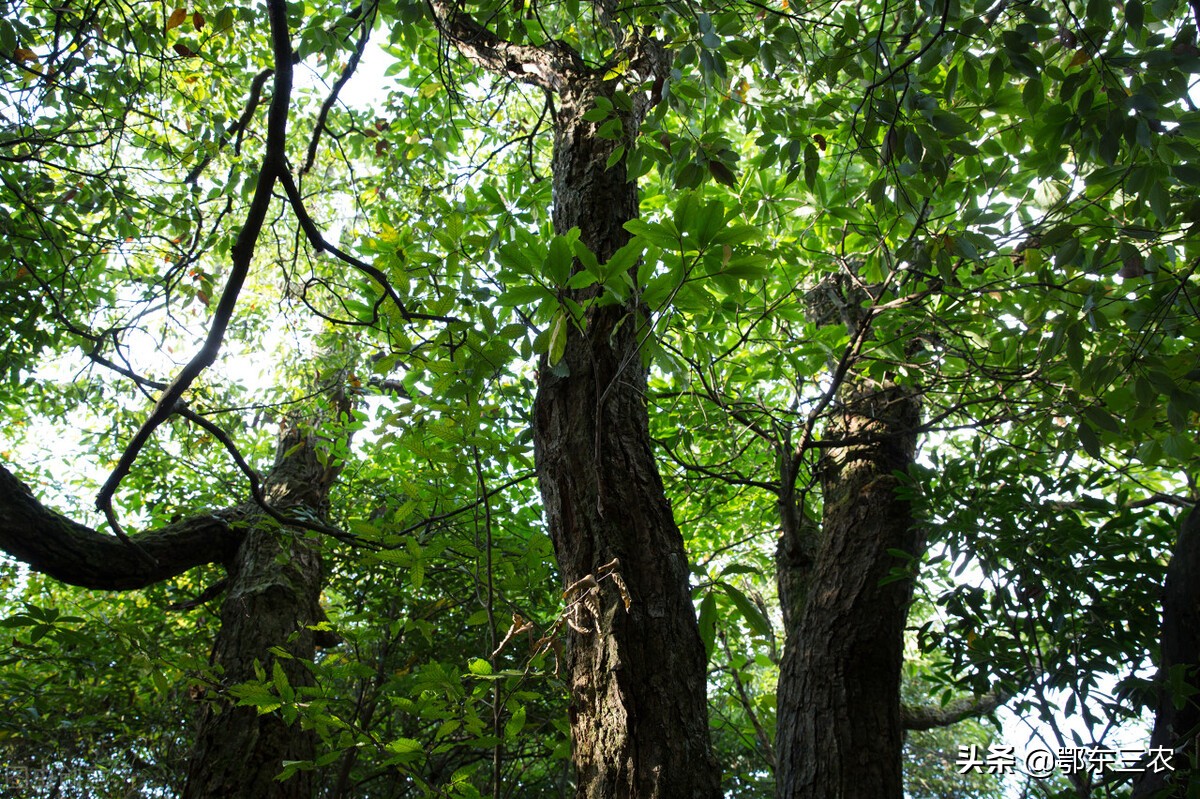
(615, 156)
(657, 233)
(811, 162)
(748, 267)
(1088, 440)
(708, 623)
(950, 124)
(405, 746)
(1135, 14)
(515, 723)
(558, 337)
(559, 257)
(524, 295)
(623, 259)
(750, 611)
(722, 174)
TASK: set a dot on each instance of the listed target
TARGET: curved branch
(926, 717)
(549, 66)
(274, 164)
(313, 234)
(72, 553)
(343, 79)
(238, 128)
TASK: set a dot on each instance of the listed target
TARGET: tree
(907, 290)
(1176, 717)
(635, 660)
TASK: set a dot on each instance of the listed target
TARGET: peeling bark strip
(638, 706)
(840, 728)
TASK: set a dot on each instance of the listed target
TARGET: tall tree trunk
(840, 731)
(273, 598)
(638, 707)
(1177, 726)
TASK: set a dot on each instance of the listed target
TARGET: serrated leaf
(279, 678)
(480, 667)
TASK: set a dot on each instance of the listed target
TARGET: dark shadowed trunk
(274, 589)
(638, 708)
(1177, 717)
(840, 730)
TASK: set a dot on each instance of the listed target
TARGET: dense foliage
(989, 206)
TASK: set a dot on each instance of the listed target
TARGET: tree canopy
(462, 398)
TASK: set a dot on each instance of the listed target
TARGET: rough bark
(274, 584)
(796, 553)
(72, 553)
(840, 730)
(273, 599)
(638, 707)
(1177, 718)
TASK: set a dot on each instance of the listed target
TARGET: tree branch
(71, 553)
(274, 164)
(343, 79)
(549, 66)
(926, 717)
